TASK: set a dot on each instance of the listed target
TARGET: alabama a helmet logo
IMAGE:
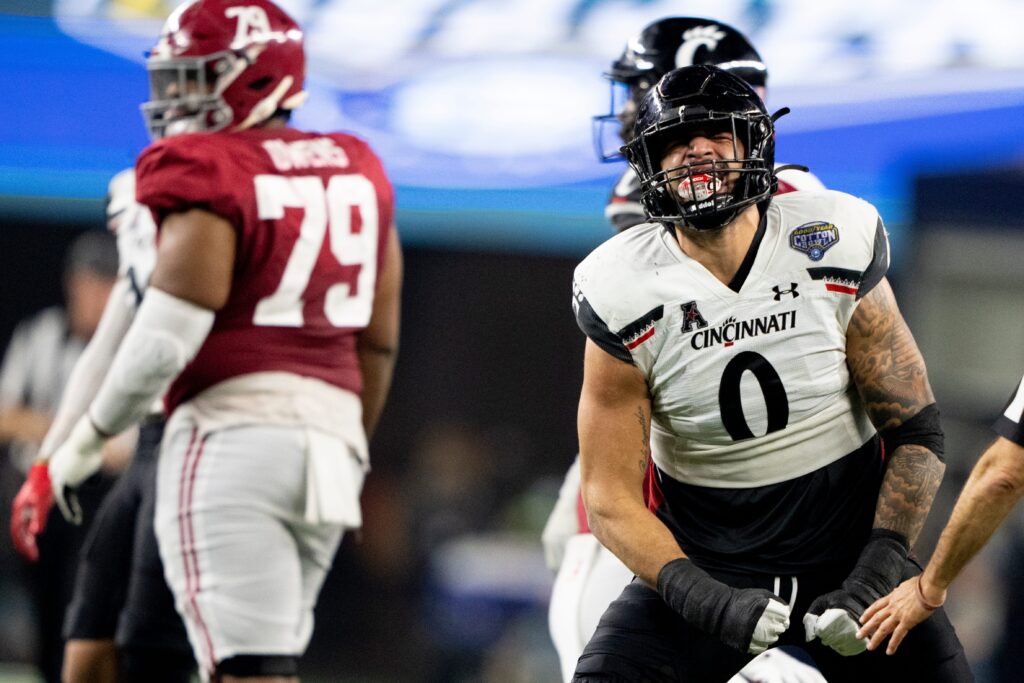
(693, 38)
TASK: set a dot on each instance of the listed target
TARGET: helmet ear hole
(260, 83)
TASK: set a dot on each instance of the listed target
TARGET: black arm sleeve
(1011, 423)
(598, 331)
(879, 265)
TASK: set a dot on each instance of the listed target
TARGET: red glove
(30, 510)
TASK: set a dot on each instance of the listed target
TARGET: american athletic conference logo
(814, 239)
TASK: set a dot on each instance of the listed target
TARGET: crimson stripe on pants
(188, 546)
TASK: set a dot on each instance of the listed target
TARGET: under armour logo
(780, 292)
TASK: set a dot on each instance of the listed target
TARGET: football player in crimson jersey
(750, 347)
(995, 485)
(588, 576)
(270, 325)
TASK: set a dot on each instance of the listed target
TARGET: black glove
(834, 617)
(747, 619)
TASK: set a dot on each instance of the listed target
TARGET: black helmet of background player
(660, 47)
(705, 193)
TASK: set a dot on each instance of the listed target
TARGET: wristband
(924, 600)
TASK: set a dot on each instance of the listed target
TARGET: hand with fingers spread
(897, 613)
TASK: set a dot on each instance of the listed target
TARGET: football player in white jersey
(752, 349)
(995, 485)
(121, 623)
(588, 576)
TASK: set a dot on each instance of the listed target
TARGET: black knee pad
(259, 665)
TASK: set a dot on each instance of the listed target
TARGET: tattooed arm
(614, 425)
(890, 375)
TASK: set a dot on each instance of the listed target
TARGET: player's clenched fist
(748, 620)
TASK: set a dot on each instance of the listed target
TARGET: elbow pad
(921, 430)
(163, 339)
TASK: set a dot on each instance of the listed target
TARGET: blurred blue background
(477, 116)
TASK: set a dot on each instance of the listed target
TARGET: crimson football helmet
(702, 99)
(662, 46)
(223, 64)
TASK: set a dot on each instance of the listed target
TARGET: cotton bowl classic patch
(814, 239)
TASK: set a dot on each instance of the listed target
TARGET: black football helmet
(662, 46)
(708, 100)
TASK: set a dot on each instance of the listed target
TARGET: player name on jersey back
(303, 154)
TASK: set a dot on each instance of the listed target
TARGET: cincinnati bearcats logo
(780, 292)
(697, 37)
(692, 316)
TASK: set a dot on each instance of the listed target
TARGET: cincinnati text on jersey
(732, 330)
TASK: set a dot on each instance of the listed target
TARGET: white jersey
(132, 224)
(748, 381)
(135, 231)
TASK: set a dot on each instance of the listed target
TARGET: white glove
(562, 525)
(777, 666)
(564, 521)
(837, 629)
(77, 459)
(773, 623)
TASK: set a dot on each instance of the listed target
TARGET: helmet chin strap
(295, 101)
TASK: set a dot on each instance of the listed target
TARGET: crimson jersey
(312, 214)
